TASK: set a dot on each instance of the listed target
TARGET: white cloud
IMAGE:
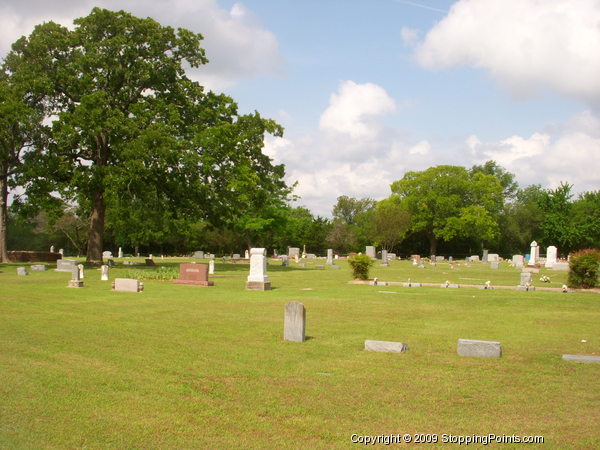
(571, 153)
(355, 109)
(524, 44)
(237, 45)
(421, 148)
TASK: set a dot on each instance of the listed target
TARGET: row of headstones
(294, 329)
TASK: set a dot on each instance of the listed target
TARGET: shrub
(360, 266)
(163, 273)
(584, 267)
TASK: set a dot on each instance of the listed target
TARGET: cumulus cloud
(569, 152)
(355, 109)
(524, 44)
(237, 45)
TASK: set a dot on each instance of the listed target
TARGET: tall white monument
(534, 254)
(551, 253)
(258, 280)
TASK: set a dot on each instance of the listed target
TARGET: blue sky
(369, 89)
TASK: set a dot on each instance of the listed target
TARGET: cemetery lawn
(193, 367)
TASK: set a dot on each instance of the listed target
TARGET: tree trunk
(3, 216)
(432, 244)
(96, 230)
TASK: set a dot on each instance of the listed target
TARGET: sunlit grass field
(193, 367)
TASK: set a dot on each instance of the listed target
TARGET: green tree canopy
(132, 131)
(447, 202)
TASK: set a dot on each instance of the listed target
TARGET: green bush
(360, 266)
(584, 268)
(163, 273)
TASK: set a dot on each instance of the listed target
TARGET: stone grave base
(258, 285)
(75, 284)
(194, 283)
(385, 346)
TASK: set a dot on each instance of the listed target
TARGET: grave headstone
(474, 258)
(193, 274)
(494, 265)
(65, 265)
(198, 254)
(525, 278)
(479, 349)
(22, 271)
(52, 249)
(111, 263)
(518, 261)
(236, 256)
(38, 267)
(61, 251)
(258, 279)
(150, 262)
(391, 257)
(440, 258)
(75, 281)
(285, 261)
(384, 258)
(385, 346)
(450, 259)
(80, 267)
(311, 256)
(493, 257)
(560, 266)
(293, 252)
(127, 285)
(106, 254)
(582, 358)
(247, 255)
(294, 322)
(211, 267)
(534, 255)
(329, 256)
(104, 273)
(551, 254)
(485, 256)
(120, 254)
(370, 251)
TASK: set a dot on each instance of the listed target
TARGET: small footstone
(385, 346)
(479, 349)
(581, 358)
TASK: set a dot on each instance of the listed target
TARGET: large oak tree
(131, 131)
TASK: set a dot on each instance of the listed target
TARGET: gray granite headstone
(560, 266)
(525, 278)
(293, 252)
(104, 273)
(484, 257)
(329, 256)
(22, 271)
(385, 346)
(384, 258)
(370, 251)
(294, 322)
(38, 267)
(479, 349)
(65, 265)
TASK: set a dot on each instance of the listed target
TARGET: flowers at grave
(545, 279)
(488, 284)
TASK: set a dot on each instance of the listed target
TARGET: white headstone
(127, 285)
(247, 255)
(329, 256)
(493, 257)
(370, 251)
(485, 256)
(258, 278)
(534, 254)
(551, 253)
(517, 261)
(22, 271)
(80, 268)
(107, 254)
(120, 252)
(104, 273)
(52, 249)
(61, 251)
(211, 267)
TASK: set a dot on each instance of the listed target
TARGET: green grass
(192, 367)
